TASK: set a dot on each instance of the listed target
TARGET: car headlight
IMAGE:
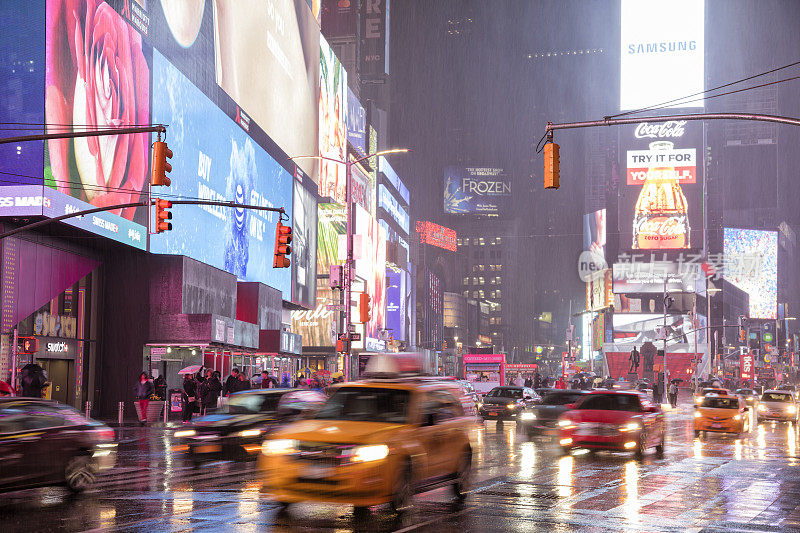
(249, 433)
(512, 406)
(791, 409)
(527, 415)
(737, 417)
(698, 399)
(184, 433)
(697, 414)
(365, 454)
(762, 408)
(565, 423)
(278, 447)
(630, 426)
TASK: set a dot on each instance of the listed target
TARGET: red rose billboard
(97, 76)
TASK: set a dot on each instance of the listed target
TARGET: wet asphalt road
(719, 483)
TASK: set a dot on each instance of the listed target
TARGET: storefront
(525, 370)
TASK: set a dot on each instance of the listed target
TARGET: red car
(613, 420)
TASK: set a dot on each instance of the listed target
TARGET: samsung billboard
(661, 52)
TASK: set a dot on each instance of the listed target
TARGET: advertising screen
(317, 325)
(388, 202)
(22, 58)
(751, 263)
(102, 80)
(476, 190)
(332, 224)
(396, 303)
(332, 123)
(660, 206)
(640, 328)
(229, 167)
(594, 235)
(304, 246)
(648, 277)
(267, 60)
(371, 267)
(356, 123)
(436, 235)
(661, 52)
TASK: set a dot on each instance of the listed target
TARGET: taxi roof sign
(393, 365)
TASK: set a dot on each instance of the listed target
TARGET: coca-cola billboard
(660, 205)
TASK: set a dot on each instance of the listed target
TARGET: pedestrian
(33, 380)
(537, 380)
(673, 394)
(560, 384)
(160, 385)
(657, 392)
(189, 397)
(519, 381)
(209, 391)
(267, 381)
(244, 383)
(232, 383)
(143, 389)
(528, 382)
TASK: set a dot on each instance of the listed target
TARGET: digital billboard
(594, 235)
(395, 209)
(219, 161)
(636, 329)
(267, 60)
(371, 267)
(356, 123)
(397, 303)
(332, 224)
(660, 204)
(332, 123)
(436, 235)
(661, 52)
(304, 246)
(751, 264)
(317, 325)
(97, 76)
(476, 190)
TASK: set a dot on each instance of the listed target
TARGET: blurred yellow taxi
(726, 414)
(375, 441)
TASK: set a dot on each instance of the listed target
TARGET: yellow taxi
(375, 441)
(721, 413)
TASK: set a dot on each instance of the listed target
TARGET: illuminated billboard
(100, 81)
(594, 235)
(304, 246)
(331, 226)
(332, 123)
(436, 235)
(219, 162)
(371, 267)
(317, 325)
(660, 205)
(267, 60)
(751, 264)
(476, 190)
(661, 52)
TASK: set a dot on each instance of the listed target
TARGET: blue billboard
(214, 159)
(476, 190)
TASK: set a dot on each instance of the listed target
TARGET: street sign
(155, 358)
(335, 307)
(161, 350)
(355, 336)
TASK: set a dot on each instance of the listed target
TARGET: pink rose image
(96, 76)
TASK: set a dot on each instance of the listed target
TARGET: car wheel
(283, 507)
(463, 476)
(403, 491)
(360, 512)
(641, 446)
(660, 446)
(696, 434)
(79, 474)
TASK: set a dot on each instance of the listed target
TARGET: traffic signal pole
(609, 121)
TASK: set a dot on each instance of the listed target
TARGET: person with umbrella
(143, 389)
(33, 380)
(673, 393)
(189, 396)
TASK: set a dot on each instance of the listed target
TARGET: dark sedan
(750, 396)
(236, 432)
(542, 419)
(46, 443)
(505, 403)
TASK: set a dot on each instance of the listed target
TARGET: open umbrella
(191, 369)
(676, 380)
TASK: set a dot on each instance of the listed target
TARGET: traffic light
(163, 215)
(160, 165)
(27, 345)
(283, 237)
(551, 166)
(755, 339)
(364, 308)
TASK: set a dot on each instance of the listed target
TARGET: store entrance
(61, 375)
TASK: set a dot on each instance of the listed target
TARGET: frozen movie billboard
(216, 160)
(751, 263)
(661, 52)
(476, 190)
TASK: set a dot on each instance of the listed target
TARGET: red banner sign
(436, 235)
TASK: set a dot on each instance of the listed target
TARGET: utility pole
(666, 385)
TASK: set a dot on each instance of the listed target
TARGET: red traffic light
(283, 237)
(160, 165)
(163, 216)
(28, 345)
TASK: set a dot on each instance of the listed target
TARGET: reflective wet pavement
(719, 483)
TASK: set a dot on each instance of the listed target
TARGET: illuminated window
(491, 280)
(480, 280)
(480, 293)
(498, 308)
(458, 241)
(499, 320)
(499, 268)
(491, 320)
(475, 280)
(500, 295)
(481, 267)
(466, 280)
(481, 241)
(499, 241)
(500, 280)
(466, 294)
(466, 241)
(491, 242)
(474, 294)
(491, 267)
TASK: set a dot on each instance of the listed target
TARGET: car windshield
(253, 403)
(501, 392)
(746, 391)
(611, 402)
(721, 403)
(367, 404)
(776, 397)
(713, 391)
(560, 399)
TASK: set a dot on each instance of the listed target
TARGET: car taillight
(105, 434)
